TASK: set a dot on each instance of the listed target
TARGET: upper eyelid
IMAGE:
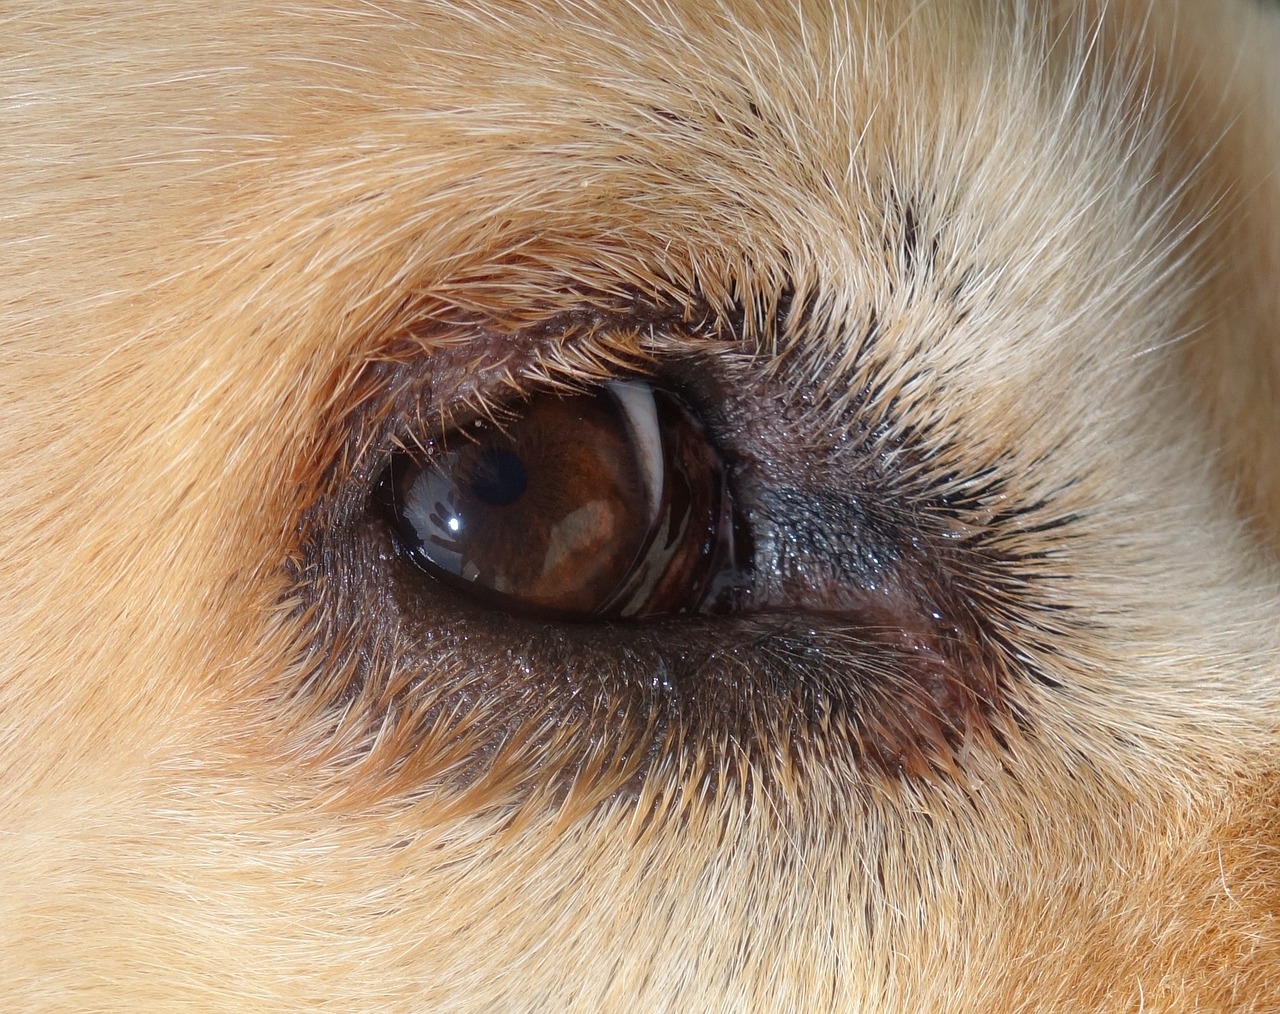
(433, 384)
(428, 375)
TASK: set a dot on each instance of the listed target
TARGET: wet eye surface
(608, 504)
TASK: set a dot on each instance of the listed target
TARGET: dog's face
(737, 506)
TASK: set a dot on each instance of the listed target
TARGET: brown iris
(597, 505)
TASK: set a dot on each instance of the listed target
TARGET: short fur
(1002, 276)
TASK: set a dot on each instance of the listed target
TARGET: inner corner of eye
(608, 504)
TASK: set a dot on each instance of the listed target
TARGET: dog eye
(606, 504)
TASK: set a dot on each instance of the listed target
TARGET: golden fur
(1019, 262)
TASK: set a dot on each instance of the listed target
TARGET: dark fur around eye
(888, 627)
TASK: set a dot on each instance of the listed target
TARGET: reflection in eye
(587, 506)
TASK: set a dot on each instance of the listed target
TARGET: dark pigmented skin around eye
(864, 635)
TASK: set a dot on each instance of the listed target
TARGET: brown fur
(1005, 271)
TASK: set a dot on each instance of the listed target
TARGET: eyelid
(469, 366)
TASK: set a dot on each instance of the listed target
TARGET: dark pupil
(596, 505)
(500, 478)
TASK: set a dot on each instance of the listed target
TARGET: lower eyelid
(891, 680)
(863, 688)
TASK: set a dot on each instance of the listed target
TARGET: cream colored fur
(215, 216)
